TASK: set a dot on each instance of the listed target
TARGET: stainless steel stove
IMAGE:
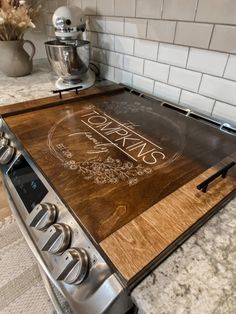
(47, 192)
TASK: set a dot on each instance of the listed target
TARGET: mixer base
(87, 81)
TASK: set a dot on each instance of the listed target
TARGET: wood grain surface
(107, 195)
(98, 155)
(142, 240)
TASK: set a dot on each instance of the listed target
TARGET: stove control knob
(73, 266)
(42, 216)
(55, 239)
(3, 141)
(6, 153)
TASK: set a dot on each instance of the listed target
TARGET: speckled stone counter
(200, 277)
(37, 85)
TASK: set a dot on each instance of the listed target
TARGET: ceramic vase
(14, 60)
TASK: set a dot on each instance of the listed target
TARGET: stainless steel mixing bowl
(70, 60)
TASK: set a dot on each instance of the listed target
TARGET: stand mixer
(69, 54)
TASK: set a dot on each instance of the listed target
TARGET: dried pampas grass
(16, 16)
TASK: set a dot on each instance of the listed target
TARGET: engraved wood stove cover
(116, 158)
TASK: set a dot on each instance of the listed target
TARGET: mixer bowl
(70, 60)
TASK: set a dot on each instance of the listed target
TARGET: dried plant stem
(16, 17)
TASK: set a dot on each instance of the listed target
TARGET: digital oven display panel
(27, 184)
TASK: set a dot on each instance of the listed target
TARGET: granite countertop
(37, 85)
(200, 277)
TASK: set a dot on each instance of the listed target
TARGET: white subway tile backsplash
(218, 88)
(169, 48)
(125, 8)
(225, 112)
(167, 92)
(123, 77)
(179, 9)
(106, 41)
(156, 71)
(142, 83)
(196, 102)
(207, 61)
(107, 72)
(161, 30)
(184, 78)
(230, 71)
(114, 59)
(217, 11)
(133, 64)
(172, 54)
(96, 24)
(223, 38)
(149, 8)
(98, 55)
(135, 27)
(115, 25)
(105, 7)
(124, 45)
(89, 7)
(193, 34)
(146, 49)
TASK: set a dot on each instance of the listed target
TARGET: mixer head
(68, 22)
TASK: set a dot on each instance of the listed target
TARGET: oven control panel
(67, 251)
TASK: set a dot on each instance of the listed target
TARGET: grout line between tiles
(167, 20)
(168, 75)
(153, 87)
(158, 49)
(134, 45)
(172, 65)
(226, 65)
(146, 33)
(186, 65)
(200, 84)
(166, 42)
(171, 85)
(180, 94)
(213, 107)
(213, 29)
(196, 8)
(176, 24)
(162, 8)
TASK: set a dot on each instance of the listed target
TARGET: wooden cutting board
(128, 168)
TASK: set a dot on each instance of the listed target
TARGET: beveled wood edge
(133, 281)
(51, 101)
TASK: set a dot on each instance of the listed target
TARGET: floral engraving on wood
(109, 171)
